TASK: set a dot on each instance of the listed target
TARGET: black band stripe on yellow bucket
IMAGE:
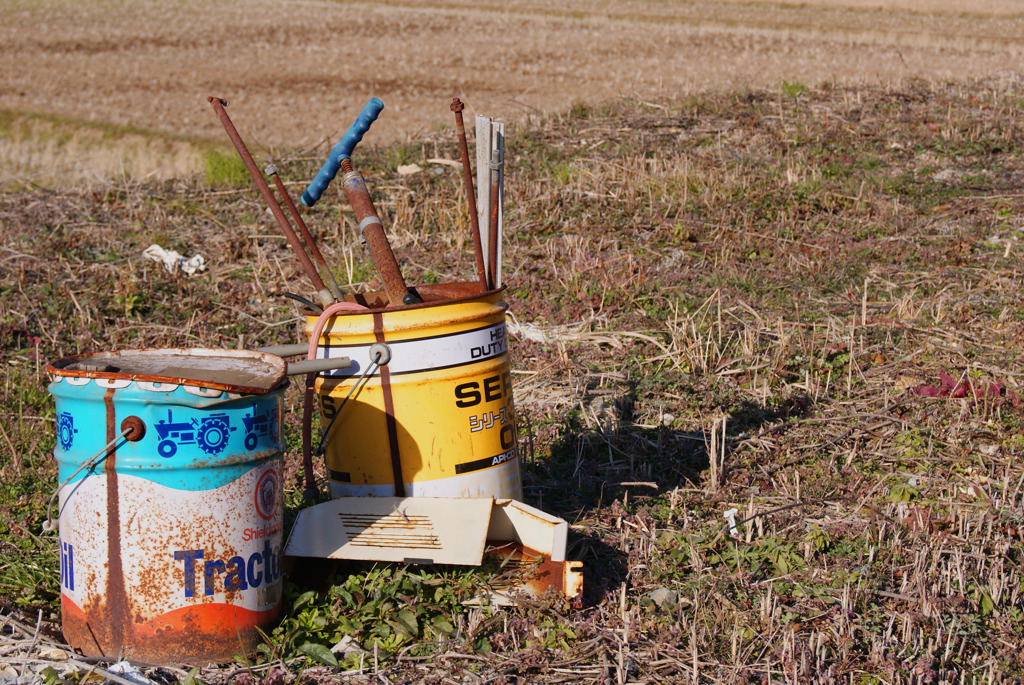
(481, 464)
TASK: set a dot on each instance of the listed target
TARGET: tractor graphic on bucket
(259, 425)
(210, 433)
(66, 430)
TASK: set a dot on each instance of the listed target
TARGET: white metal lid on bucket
(242, 371)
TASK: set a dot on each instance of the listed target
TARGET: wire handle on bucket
(49, 524)
(311, 492)
(380, 355)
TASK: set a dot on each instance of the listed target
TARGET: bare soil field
(297, 72)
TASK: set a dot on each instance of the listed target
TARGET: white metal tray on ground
(437, 530)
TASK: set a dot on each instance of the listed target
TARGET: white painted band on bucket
(425, 354)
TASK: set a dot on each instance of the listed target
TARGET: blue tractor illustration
(210, 433)
(66, 430)
(258, 425)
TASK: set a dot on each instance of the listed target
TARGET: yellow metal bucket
(438, 419)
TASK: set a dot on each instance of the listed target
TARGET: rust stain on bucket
(116, 597)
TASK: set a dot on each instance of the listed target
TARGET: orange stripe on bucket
(215, 631)
(215, 619)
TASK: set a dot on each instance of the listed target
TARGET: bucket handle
(380, 355)
(311, 492)
(132, 429)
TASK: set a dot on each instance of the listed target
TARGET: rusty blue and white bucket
(170, 539)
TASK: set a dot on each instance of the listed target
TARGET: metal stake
(493, 232)
(271, 171)
(373, 231)
(467, 176)
(218, 105)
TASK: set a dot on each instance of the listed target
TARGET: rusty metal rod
(373, 231)
(467, 176)
(218, 105)
(493, 232)
(311, 493)
(332, 284)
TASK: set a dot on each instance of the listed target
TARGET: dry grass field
(760, 256)
(297, 72)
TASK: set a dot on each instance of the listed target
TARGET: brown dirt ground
(297, 72)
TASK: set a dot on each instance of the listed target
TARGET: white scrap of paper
(130, 673)
(731, 515)
(174, 261)
(409, 169)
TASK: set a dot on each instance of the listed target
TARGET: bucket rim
(212, 368)
(435, 295)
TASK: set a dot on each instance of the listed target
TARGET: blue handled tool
(343, 150)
